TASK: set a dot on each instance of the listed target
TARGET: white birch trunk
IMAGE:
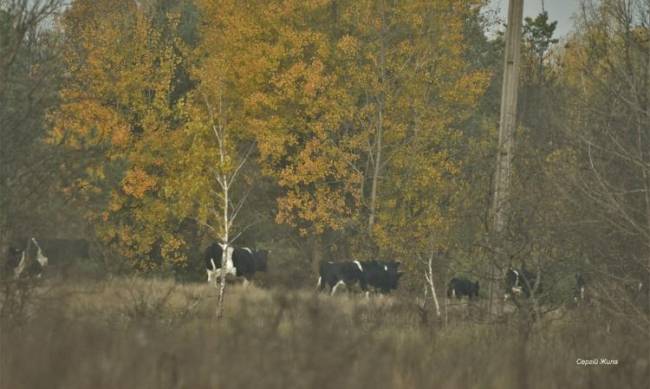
(428, 275)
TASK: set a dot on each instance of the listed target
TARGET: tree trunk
(224, 252)
(380, 127)
(376, 171)
(222, 280)
(429, 278)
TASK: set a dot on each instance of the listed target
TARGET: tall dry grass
(147, 333)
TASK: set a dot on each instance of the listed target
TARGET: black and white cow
(459, 287)
(579, 289)
(520, 282)
(30, 261)
(240, 261)
(334, 274)
(212, 258)
(380, 275)
(248, 261)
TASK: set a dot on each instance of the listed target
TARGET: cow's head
(393, 278)
(261, 260)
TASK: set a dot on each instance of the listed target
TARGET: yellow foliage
(312, 82)
(116, 105)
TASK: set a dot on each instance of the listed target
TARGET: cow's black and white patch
(382, 276)
(213, 257)
(29, 261)
(240, 261)
(334, 274)
(520, 282)
(248, 261)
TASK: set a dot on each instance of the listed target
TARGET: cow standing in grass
(240, 261)
(459, 287)
(382, 276)
(334, 274)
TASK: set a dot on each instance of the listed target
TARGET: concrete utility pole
(508, 118)
(507, 125)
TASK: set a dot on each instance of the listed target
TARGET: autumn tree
(122, 108)
(363, 94)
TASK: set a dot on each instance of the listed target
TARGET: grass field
(151, 333)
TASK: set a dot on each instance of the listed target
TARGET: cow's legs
(364, 287)
(336, 286)
(209, 275)
(319, 283)
(246, 282)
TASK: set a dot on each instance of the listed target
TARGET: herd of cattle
(381, 276)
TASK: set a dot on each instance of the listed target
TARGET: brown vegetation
(152, 333)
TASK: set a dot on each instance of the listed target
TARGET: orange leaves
(136, 182)
(315, 211)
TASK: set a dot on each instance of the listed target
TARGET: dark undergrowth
(134, 333)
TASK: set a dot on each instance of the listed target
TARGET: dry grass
(147, 333)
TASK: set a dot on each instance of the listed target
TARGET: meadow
(132, 332)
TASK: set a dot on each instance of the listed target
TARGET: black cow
(520, 281)
(459, 287)
(240, 261)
